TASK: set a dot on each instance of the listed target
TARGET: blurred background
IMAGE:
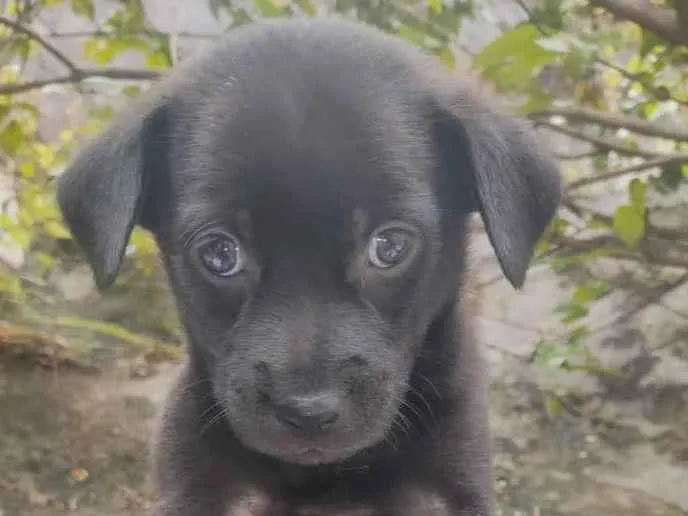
(589, 363)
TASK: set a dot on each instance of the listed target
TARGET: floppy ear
(503, 172)
(105, 191)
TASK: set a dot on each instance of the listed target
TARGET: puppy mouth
(315, 456)
(306, 453)
(311, 457)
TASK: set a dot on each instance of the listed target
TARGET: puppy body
(309, 184)
(439, 466)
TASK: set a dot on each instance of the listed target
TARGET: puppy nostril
(308, 413)
(353, 363)
(357, 361)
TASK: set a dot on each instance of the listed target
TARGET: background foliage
(605, 81)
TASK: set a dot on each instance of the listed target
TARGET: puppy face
(311, 209)
(310, 260)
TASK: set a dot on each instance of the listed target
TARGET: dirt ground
(75, 443)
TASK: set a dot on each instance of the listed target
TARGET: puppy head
(309, 190)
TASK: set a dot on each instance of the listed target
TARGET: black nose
(311, 412)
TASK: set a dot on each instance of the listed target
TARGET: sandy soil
(77, 443)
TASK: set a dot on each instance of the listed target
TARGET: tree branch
(575, 156)
(51, 49)
(681, 7)
(75, 75)
(610, 243)
(651, 298)
(631, 169)
(662, 21)
(650, 230)
(140, 33)
(81, 75)
(614, 120)
(600, 143)
(659, 93)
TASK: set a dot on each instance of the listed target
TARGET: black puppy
(309, 184)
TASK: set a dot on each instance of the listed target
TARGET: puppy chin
(308, 451)
(315, 456)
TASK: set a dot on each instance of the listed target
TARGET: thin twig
(614, 120)
(140, 33)
(610, 243)
(631, 169)
(575, 156)
(650, 230)
(75, 75)
(50, 48)
(661, 94)
(83, 74)
(600, 143)
(652, 298)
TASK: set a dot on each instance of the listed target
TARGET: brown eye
(390, 246)
(220, 254)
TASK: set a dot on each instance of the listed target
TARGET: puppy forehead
(300, 189)
(310, 149)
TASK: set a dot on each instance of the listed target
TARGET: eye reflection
(220, 254)
(390, 246)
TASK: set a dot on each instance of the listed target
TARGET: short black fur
(319, 381)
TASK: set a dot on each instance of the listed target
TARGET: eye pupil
(220, 255)
(389, 247)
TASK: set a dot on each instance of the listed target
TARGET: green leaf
(590, 291)
(157, 60)
(11, 138)
(636, 193)
(562, 354)
(11, 284)
(6, 221)
(556, 44)
(21, 47)
(99, 50)
(27, 170)
(159, 53)
(648, 109)
(413, 35)
(269, 8)
(629, 224)
(84, 8)
(537, 101)
(571, 312)
(56, 230)
(513, 59)
(446, 56)
(553, 405)
(575, 338)
(307, 6)
(435, 5)
(128, 19)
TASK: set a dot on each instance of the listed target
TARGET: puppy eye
(390, 246)
(220, 254)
